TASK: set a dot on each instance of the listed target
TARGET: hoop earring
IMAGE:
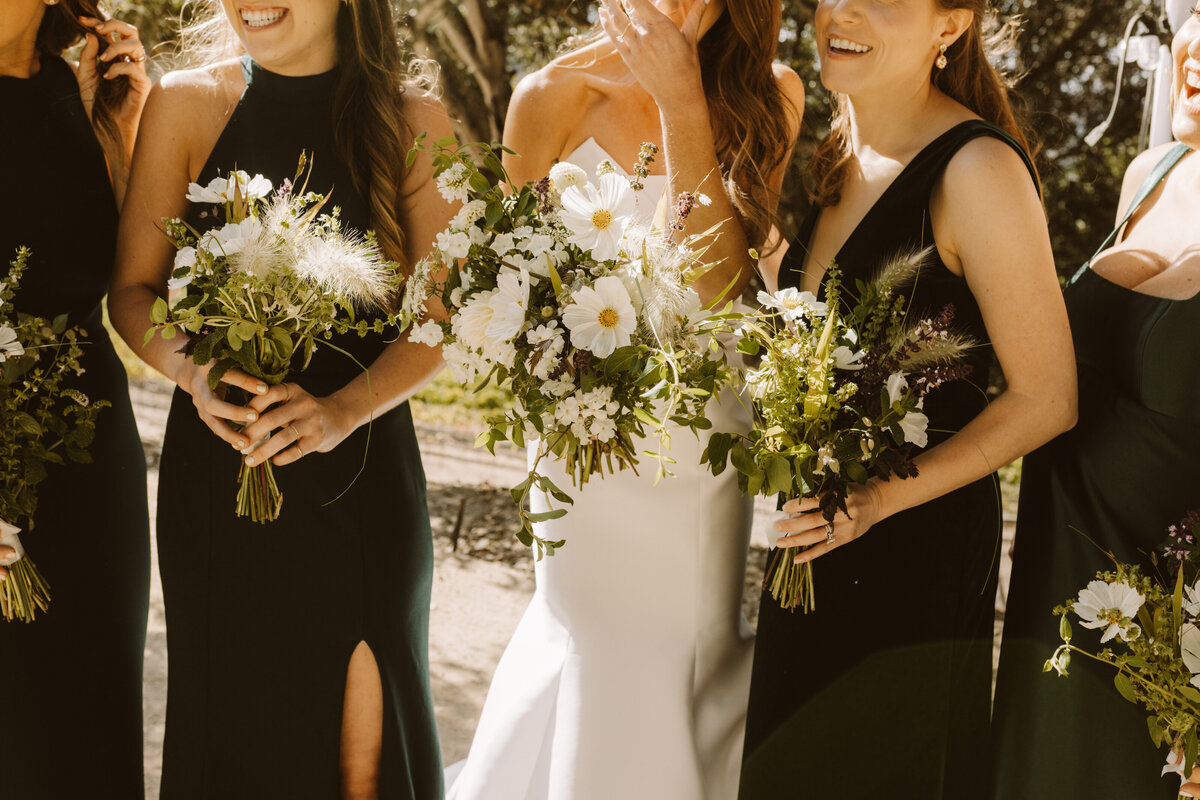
(942, 61)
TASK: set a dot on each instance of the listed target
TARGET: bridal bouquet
(42, 422)
(262, 291)
(1153, 623)
(838, 393)
(588, 318)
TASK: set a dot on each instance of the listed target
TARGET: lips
(256, 19)
(846, 47)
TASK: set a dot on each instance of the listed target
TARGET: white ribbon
(9, 537)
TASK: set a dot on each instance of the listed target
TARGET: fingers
(643, 14)
(615, 23)
(276, 448)
(129, 50)
(281, 393)
(131, 69)
(800, 505)
(300, 407)
(691, 25)
(108, 27)
(250, 384)
(801, 531)
(222, 429)
(1190, 790)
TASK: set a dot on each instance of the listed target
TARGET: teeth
(846, 44)
(1193, 80)
(256, 18)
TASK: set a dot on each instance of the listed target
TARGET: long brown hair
(747, 109)
(60, 30)
(969, 78)
(369, 126)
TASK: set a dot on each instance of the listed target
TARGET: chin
(1186, 128)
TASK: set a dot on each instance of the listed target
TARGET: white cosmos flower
(596, 217)
(1189, 646)
(897, 387)
(915, 426)
(1191, 600)
(9, 346)
(794, 304)
(231, 238)
(509, 305)
(471, 323)
(220, 190)
(843, 358)
(453, 184)
(427, 333)
(1111, 606)
(601, 318)
(564, 175)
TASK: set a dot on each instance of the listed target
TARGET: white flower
(1189, 646)
(559, 387)
(703, 199)
(470, 324)
(220, 190)
(1111, 606)
(897, 387)
(428, 333)
(456, 296)
(231, 238)
(1191, 604)
(469, 214)
(503, 244)
(509, 305)
(536, 244)
(571, 413)
(603, 428)
(601, 318)
(596, 218)
(914, 424)
(564, 175)
(454, 244)
(843, 358)
(794, 304)
(9, 346)
(547, 343)
(453, 183)
(825, 459)
(458, 358)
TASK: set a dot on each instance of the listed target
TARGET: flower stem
(24, 593)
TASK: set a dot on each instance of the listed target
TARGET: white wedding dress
(628, 676)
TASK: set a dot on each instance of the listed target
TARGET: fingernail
(241, 444)
(250, 415)
(250, 461)
(262, 388)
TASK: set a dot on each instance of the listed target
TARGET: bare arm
(538, 138)
(664, 60)
(998, 236)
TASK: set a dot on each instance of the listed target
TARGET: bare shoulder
(558, 87)
(1140, 168)
(986, 167)
(202, 85)
(424, 112)
(792, 86)
(186, 111)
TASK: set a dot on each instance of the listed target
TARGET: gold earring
(942, 61)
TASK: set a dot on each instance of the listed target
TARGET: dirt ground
(483, 577)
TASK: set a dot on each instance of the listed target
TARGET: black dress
(72, 711)
(883, 689)
(262, 619)
(1115, 482)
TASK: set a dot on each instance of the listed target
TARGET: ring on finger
(829, 533)
(114, 37)
(287, 393)
(295, 430)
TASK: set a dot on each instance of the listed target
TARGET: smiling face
(1185, 52)
(868, 46)
(291, 37)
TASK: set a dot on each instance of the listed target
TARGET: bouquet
(588, 318)
(838, 396)
(262, 291)
(1155, 622)
(43, 422)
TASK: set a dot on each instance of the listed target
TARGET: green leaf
(1124, 686)
(748, 346)
(479, 183)
(779, 474)
(717, 452)
(1189, 751)
(623, 359)
(159, 311)
(1191, 693)
(856, 472)
(742, 461)
(542, 516)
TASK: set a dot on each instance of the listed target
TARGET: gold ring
(295, 430)
(829, 533)
(288, 396)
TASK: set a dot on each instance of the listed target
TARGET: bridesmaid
(890, 676)
(298, 649)
(652, 676)
(1114, 483)
(73, 678)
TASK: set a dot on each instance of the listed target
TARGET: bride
(628, 674)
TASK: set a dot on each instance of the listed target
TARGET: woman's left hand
(125, 55)
(806, 526)
(299, 424)
(662, 56)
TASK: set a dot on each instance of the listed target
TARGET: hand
(124, 56)
(8, 555)
(806, 526)
(211, 406)
(298, 424)
(662, 57)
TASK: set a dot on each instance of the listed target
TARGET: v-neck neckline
(904, 171)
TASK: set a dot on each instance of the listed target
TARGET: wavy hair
(970, 78)
(61, 30)
(370, 129)
(747, 109)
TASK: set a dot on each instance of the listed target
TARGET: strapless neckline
(588, 157)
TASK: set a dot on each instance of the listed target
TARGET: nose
(842, 11)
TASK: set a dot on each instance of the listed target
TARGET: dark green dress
(1115, 482)
(71, 717)
(262, 619)
(883, 690)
